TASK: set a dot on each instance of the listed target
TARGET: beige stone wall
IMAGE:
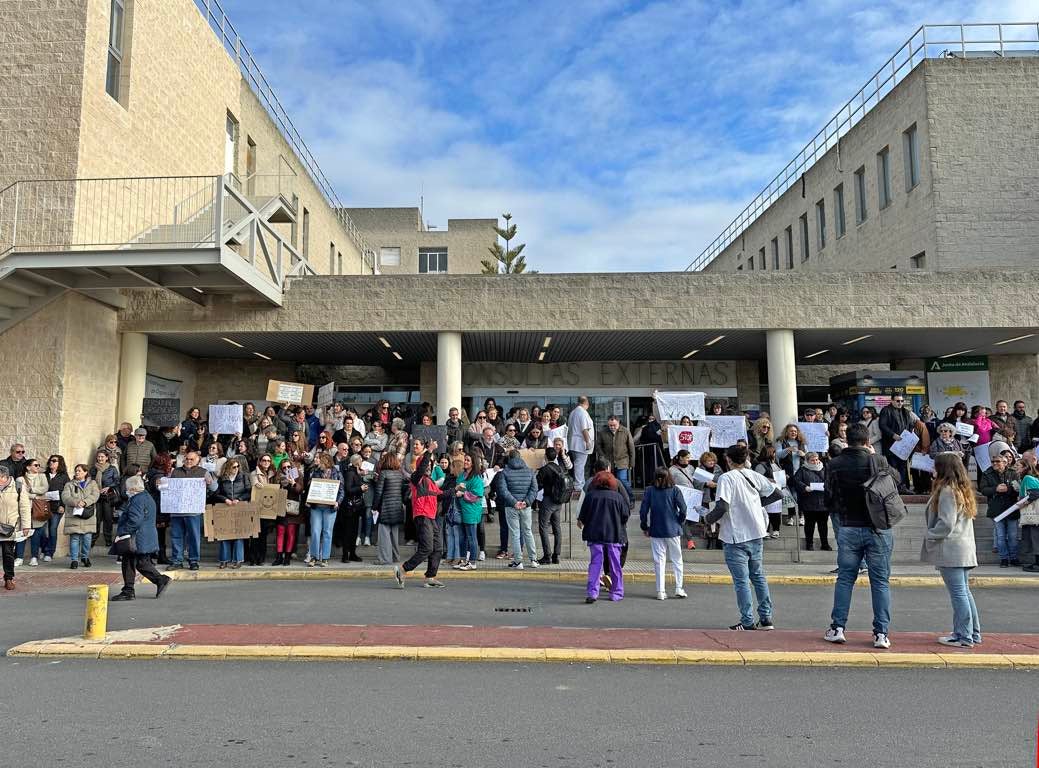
(173, 365)
(984, 133)
(240, 380)
(887, 238)
(1014, 377)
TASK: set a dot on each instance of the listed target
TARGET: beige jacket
(35, 487)
(71, 494)
(15, 509)
(949, 541)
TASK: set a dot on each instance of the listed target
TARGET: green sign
(938, 365)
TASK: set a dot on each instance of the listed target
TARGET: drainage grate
(514, 610)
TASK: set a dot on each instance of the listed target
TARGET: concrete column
(449, 373)
(133, 367)
(782, 378)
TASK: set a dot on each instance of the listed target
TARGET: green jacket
(472, 510)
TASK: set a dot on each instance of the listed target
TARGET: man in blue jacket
(137, 521)
(517, 488)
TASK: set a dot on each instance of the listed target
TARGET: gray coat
(949, 541)
(70, 495)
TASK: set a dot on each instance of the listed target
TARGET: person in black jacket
(895, 419)
(999, 484)
(348, 521)
(552, 481)
(857, 539)
(812, 502)
(388, 507)
(603, 520)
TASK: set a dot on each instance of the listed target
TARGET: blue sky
(622, 136)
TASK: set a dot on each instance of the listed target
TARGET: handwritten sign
(290, 392)
(183, 496)
(726, 430)
(903, 447)
(966, 430)
(269, 501)
(672, 406)
(323, 491)
(816, 436)
(922, 463)
(225, 419)
(326, 394)
(160, 411)
(228, 522)
(693, 502)
(533, 457)
(696, 440)
(982, 457)
(425, 433)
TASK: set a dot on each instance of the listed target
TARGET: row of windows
(430, 260)
(911, 161)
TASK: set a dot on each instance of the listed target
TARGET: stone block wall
(240, 380)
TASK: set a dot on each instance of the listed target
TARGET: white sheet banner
(672, 406)
(696, 440)
(726, 430)
(817, 435)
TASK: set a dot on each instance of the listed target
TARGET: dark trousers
(623, 558)
(813, 519)
(7, 549)
(503, 530)
(429, 550)
(142, 564)
(900, 466)
(105, 516)
(256, 548)
(548, 519)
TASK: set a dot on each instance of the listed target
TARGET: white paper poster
(696, 440)
(816, 487)
(779, 478)
(225, 419)
(183, 496)
(726, 430)
(817, 435)
(966, 430)
(903, 447)
(922, 463)
(559, 432)
(672, 406)
(323, 491)
(326, 394)
(981, 455)
(693, 502)
(290, 393)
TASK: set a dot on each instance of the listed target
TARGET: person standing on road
(425, 500)
(517, 488)
(581, 430)
(603, 517)
(15, 519)
(661, 518)
(137, 521)
(742, 496)
(857, 539)
(949, 545)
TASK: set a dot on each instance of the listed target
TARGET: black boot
(825, 546)
(123, 596)
(809, 545)
(286, 559)
(276, 560)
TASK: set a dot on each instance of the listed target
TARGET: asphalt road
(44, 615)
(126, 714)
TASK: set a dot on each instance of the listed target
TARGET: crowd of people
(392, 487)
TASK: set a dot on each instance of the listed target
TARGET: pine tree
(507, 260)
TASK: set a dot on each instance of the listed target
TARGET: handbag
(6, 530)
(291, 508)
(41, 510)
(124, 547)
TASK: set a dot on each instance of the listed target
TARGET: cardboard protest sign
(533, 457)
(225, 419)
(432, 432)
(160, 411)
(726, 430)
(696, 440)
(672, 406)
(183, 495)
(323, 491)
(290, 392)
(269, 501)
(227, 522)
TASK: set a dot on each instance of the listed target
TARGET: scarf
(815, 466)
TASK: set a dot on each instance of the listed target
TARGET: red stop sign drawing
(685, 438)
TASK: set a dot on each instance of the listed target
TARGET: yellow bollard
(96, 622)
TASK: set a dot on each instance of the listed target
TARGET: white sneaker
(801, 520)
(774, 535)
(34, 562)
(789, 521)
(535, 564)
(835, 635)
(358, 542)
(47, 558)
(680, 594)
(483, 556)
(661, 595)
(880, 640)
(17, 562)
(367, 541)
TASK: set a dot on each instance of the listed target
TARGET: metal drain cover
(514, 610)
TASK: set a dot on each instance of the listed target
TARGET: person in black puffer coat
(812, 504)
(603, 520)
(388, 504)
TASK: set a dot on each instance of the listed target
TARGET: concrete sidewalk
(280, 642)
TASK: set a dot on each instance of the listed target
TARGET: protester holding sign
(185, 525)
(323, 515)
(810, 485)
(233, 487)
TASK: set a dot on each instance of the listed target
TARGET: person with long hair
(1028, 550)
(602, 519)
(57, 477)
(949, 544)
(661, 517)
(761, 437)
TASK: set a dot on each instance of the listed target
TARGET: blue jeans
(34, 544)
(966, 624)
(454, 534)
(744, 563)
(854, 545)
(367, 524)
(322, 518)
(520, 521)
(1006, 538)
(185, 531)
(624, 476)
(231, 551)
(50, 533)
(79, 545)
(470, 543)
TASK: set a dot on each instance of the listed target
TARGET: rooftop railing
(927, 42)
(217, 18)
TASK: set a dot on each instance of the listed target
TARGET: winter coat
(604, 515)
(516, 483)
(941, 446)
(138, 520)
(700, 485)
(949, 540)
(142, 455)
(615, 448)
(15, 509)
(893, 422)
(240, 488)
(998, 503)
(57, 483)
(873, 430)
(425, 494)
(662, 512)
(35, 486)
(787, 456)
(389, 497)
(809, 501)
(73, 493)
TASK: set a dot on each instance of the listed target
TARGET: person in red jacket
(425, 499)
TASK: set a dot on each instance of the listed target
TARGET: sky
(622, 136)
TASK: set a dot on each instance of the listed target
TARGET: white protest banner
(779, 478)
(964, 429)
(816, 487)
(326, 394)
(672, 406)
(703, 475)
(323, 491)
(693, 502)
(816, 434)
(183, 496)
(696, 440)
(726, 430)
(981, 455)
(905, 444)
(922, 463)
(225, 419)
(552, 434)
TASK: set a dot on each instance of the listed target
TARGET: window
(820, 223)
(911, 157)
(250, 166)
(750, 263)
(761, 258)
(775, 253)
(919, 261)
(332, 259)
(306, 232)
(839, 224)
(789, 248)
(432, 260)
(389, 257)
(860, 195)
(231, 145)
(883, 178)
(804, 237)
(115, 48)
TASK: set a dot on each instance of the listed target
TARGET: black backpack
(560, 487)
(885, 506)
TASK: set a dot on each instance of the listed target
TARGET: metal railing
(220, 23)
(929, 41)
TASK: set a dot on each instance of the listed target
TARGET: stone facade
(466, 240)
